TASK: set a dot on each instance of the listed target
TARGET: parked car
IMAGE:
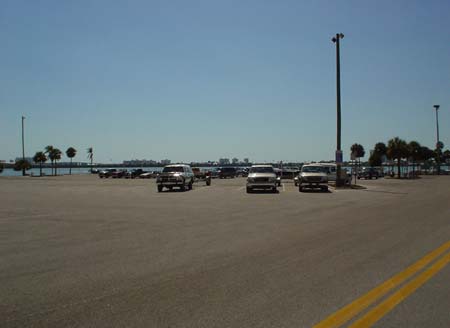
(368, 173)
(313, 176)
(202, 175)
(133, 174)
(289, 173)
(118, 174)
(226, 172)
(214, 173)
(198, 173)
(262, 177)
(149, 175)
(278, 174)
(106, 173)
(331, 170)
(175, 175)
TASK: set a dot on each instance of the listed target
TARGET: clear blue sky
(199, 80)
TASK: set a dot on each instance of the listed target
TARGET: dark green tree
(71, 152)
(21, 165)
(380, 148)
(47, 151)
(55, 156)
(414, 154)
(446, 155)
(40, 158)
(375, 159)
(396, 150)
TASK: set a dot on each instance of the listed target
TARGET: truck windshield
(267, 169)
(173, 169)
(314, 169)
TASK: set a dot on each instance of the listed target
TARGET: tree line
(398, 149)
(54, 155)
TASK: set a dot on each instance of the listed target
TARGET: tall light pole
(335, 39)
(23, 147)
(438, 145)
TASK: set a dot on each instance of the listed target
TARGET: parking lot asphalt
(78, 251)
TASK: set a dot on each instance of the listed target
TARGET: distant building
(224, 161)
(165, 161)
(140, 162)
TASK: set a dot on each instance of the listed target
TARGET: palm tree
(375, 159)
(40, 158)
(71, 152)
(55, 156)
(358, 151)
(397, 149)
(90, 152)
(414, 154)
(380, 148)
(447, 155)
(21, 165)
(48, 151)
(426, 154)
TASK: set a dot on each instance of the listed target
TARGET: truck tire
(160, 188)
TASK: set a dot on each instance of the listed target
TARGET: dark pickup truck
(227, 172)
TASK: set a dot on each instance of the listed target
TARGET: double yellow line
(351, 310)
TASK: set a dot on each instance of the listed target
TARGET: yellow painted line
(349, 311)
(381, 309)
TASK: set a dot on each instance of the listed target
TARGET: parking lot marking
(284, 189)
(349, 311)
(386, 306)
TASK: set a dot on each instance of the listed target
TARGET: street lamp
(339, 181)
(23, 147)
(438, 144)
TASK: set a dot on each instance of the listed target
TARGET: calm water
(63, 171)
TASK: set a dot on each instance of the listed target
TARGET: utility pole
(339, 181)
(438, 144)
(23, 146)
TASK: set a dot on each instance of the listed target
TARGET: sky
(201, 80)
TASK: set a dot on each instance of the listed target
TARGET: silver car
(313, 176)
(261, 177)
(176, 175)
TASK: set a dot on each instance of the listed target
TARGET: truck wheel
(208, 182)
(274, 190)
(160, 188)
(300, 189)
(249, 190)
(183, 187)
(324, 189)
(190, 185)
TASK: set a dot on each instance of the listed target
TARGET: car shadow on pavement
(262, 191)
(316, 191)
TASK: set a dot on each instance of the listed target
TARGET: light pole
(438, 150)
(335, 40)
(23, 147)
